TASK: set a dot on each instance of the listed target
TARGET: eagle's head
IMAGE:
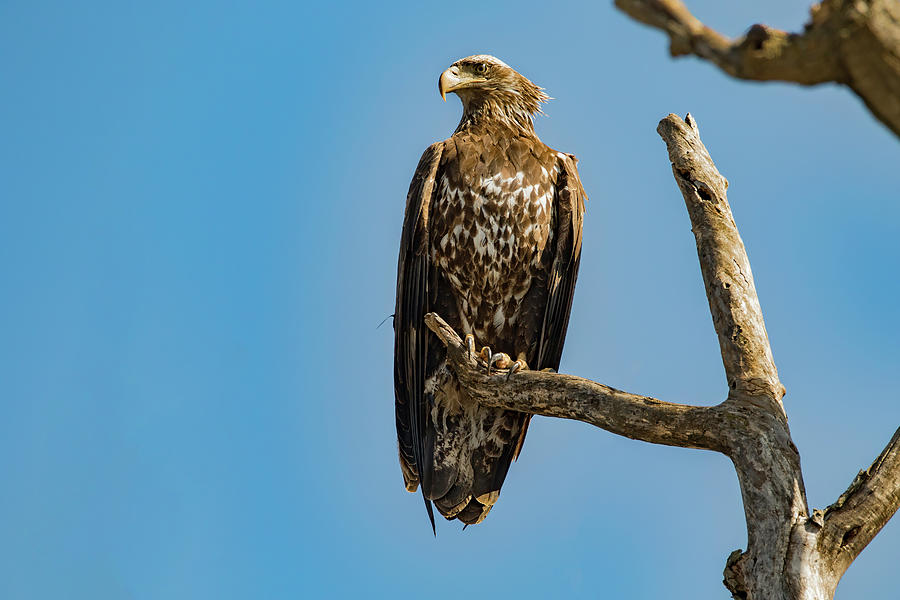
(490, 88)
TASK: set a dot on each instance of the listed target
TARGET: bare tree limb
(861, 511)
(569, 397)
(762, 54)
(760, 446)
(733, 302)
(850, 42)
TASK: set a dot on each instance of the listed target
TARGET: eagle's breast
(492, 225)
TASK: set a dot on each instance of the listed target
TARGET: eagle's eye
(481, 68)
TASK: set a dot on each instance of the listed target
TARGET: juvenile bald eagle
(491, 241)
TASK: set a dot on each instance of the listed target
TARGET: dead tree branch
(569, 397)
(867, 505)
(789, 555)
(851, 42)
(737, 316)
(761, 449)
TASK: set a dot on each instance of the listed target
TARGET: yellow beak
(451, 80)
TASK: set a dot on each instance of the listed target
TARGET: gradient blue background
(200, 206)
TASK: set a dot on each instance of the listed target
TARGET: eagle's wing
(410, 332)
(569, 206)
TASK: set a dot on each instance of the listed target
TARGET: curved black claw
(470, 344)
(501, 360)
(487, 355)
(515, 368)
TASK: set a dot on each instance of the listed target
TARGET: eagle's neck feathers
(513, 105)
(484, 111)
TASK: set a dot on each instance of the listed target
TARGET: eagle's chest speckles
(490, 238)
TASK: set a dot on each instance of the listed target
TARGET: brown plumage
(491, 242)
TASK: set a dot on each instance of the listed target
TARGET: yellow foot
(499, 360)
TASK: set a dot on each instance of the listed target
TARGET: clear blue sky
(200, 207)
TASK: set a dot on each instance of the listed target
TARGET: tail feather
(457, 497)
(444, 447)
(430, 511)
(474, 513)
(471, 458)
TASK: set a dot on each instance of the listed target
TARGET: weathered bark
(860, 513)
(851, 42)
(790, 554)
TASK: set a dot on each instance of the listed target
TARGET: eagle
(491, 241)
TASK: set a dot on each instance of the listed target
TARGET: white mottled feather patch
(489, 227)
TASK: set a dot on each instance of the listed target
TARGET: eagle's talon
(517, 366)
(470, 344)
(501, 360)
(487, 356)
